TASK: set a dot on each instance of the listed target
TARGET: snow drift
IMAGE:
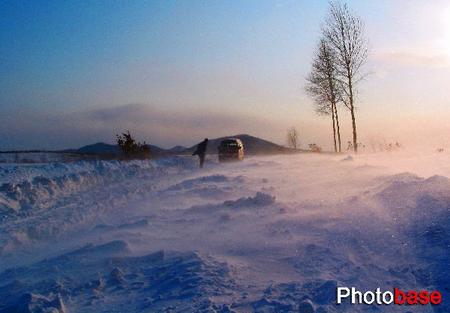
(270, 234)
(37, 186)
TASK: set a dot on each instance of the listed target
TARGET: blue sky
(57, 48)
(76, 72)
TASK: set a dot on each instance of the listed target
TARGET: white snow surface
(269, 234)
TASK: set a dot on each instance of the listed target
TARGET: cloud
(146, 115)
(411, 58)
(30, 128)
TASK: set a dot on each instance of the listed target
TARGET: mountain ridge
(252, 146)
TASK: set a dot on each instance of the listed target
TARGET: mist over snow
(157, 124)
(269, 234)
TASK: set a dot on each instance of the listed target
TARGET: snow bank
(421, 209)
(95, 278)
(28, 187)
(30, 303)
(259, 200)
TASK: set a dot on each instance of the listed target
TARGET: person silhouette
(201, 151)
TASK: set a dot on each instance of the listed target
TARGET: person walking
(201, 151)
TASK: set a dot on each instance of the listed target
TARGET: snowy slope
(270, 234)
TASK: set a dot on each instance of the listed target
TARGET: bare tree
(292, 137)
(344, 34)
(323, 87)
(130, 148)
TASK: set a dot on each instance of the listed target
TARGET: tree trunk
(352, 112)
(338, 129)
(334, 127)
(355, 140)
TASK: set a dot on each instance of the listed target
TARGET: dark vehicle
(231, 149)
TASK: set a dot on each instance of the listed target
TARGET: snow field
(270, 234)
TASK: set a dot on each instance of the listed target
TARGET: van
(231, 149)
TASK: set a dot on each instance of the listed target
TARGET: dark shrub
(130, 148)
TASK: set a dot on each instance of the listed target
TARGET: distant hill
(159, 152)
(99, 148)
(252, 146)
(177, 149)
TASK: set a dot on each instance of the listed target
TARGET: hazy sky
(174, 72)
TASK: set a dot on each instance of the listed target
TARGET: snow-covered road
(270, 234)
